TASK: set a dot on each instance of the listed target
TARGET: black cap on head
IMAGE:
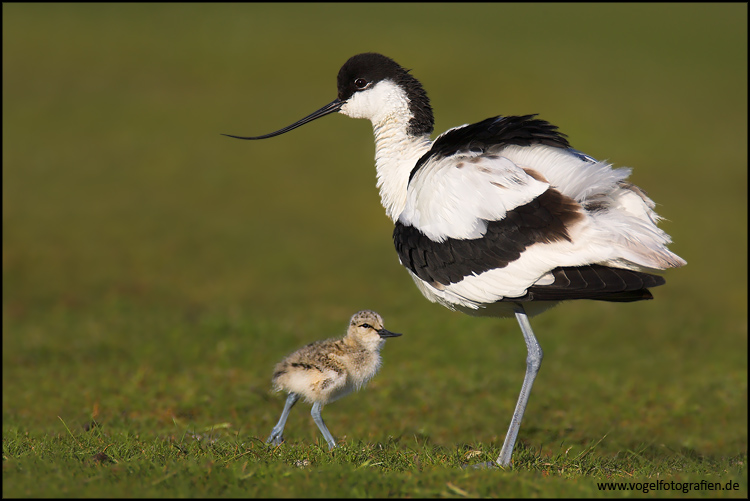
(365, 70)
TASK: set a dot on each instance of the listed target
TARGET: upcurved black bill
(331, 107)
(386, 333)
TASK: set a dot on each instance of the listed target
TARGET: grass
(218, 463)
(154, 271)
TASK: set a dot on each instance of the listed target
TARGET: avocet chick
(325, 371)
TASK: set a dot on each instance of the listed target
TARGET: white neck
(396, 154)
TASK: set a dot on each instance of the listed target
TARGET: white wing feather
(454, 197)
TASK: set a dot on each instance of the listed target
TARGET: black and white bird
(501, 217)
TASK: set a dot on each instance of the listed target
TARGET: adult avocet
(501, 217)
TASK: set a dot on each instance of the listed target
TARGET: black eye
(366, 326)
(361, 83)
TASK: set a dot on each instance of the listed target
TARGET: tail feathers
(597, 282)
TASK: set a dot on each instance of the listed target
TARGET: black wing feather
(543, 220)
(594, 281)
(496, 131)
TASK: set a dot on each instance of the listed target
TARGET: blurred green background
(154, 270)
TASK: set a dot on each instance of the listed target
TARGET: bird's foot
(275, 439)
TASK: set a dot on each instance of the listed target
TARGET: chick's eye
(366, 326)
(361, 83)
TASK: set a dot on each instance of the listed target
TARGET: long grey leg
(276, 436)
(533, 362)
(315, 413)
